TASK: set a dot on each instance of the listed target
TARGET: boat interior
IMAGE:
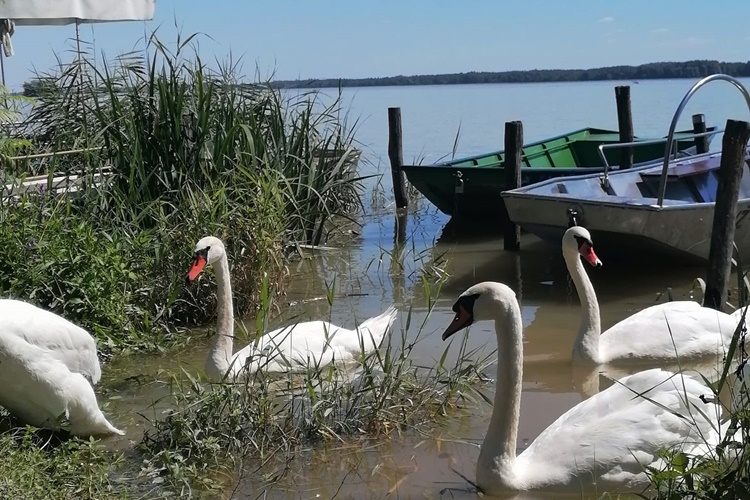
(693, 180)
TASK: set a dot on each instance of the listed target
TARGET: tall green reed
(185, 151)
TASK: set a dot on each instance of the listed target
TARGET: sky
(367, 38)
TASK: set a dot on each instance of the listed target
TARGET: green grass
(35, 464)
(188, 151)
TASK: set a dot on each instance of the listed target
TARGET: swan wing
(55, 336)
(608, 439)
(312, 343)
(682, 329)
(41, 390)
(293, 347)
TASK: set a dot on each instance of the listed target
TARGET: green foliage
(173, 151)
(63, 262)
(32, 466)
(172, 128)
(10, 112)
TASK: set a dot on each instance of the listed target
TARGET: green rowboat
(471, 187)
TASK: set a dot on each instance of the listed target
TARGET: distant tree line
(651, 71)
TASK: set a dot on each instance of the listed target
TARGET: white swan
(674, 330)
(314, 343)
(47, 368)
(601, 444)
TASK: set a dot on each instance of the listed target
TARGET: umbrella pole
(2, 66)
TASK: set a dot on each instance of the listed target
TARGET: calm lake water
(366, 281)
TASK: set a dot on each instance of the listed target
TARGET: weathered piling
(396, 155)
(397, 268)
(512, 168)
(699, 127)
(625, 124)
(732, 164)
(399, 229)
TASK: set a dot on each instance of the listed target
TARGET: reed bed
(171, 151)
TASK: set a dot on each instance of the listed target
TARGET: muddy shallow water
(366, 280)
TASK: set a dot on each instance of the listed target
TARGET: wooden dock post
(699, 127)
(396, 155)
(399, 230)
(625, 124)
(734, 143)
(512, 167)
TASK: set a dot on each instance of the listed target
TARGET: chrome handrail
(673, 125)
(602, 147)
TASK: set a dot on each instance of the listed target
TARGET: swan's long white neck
(220, 354)
(498, 454)
(587, 343)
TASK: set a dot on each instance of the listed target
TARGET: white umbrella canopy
(60, 12)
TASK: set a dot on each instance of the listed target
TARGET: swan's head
(208, 251)
(481, 302)
(577, 240)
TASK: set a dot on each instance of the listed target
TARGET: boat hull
(471, 187)
(622, 226)
(635, 232)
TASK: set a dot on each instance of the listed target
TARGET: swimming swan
(674, 330)
(289, 348)
(601, 444)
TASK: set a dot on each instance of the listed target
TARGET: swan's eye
(580, 240)
(467, 301)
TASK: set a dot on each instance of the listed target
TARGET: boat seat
(681, 170)
(637, 200)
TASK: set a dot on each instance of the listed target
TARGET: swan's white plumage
(312, 343)
(46, 363)
(58, 337)
(291, 348)
(669, 331)
(612, 435)
(683, 329)
(601, 444)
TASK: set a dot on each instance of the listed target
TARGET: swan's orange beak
(198, 264)
(461, 321)
(587, 252)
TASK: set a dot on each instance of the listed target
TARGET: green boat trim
(471, 186)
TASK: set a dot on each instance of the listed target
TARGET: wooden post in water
(625, 124)
(734, 143)
(699, 127)
(396, 155)
(399, 231)
(512, 168)
(397, 269)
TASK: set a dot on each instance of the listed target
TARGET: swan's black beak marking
(463, 319)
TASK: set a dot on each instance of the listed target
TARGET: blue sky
(362, 38)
